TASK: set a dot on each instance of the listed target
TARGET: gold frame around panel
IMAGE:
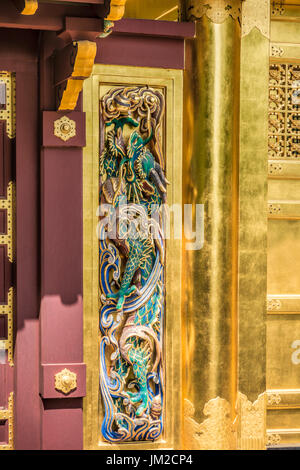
(171, 81)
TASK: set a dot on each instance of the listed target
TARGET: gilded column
(252, 275)
(211, 134)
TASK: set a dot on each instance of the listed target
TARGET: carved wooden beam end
(73, 65)
(26, 7)
(117, 10)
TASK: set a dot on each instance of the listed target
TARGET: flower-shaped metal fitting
(65, 381)
(64, 128)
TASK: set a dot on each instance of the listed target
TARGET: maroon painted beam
(47, 17)
(81, 29)
(154, 28)
(88, 2)
(145, 43)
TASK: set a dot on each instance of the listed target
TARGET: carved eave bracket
(73, 65)
(27, 7)
(74, 62)
(117, 10)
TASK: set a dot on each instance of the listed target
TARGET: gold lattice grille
(284, 111)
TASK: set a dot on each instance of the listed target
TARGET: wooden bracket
(73, 64)
(26, 7)
(117, 10)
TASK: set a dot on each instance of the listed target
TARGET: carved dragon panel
(131, 261)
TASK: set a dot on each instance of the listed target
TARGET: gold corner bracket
(256, 14)
(251, 422)
(217, 432)
(65, 381)
(7, 310)
(216, 10)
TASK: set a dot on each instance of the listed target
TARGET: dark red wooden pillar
(18, 54)
(27, 401)
(61, 303)
(61, 322)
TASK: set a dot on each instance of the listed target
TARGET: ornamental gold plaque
(64, 128)
(65, 381)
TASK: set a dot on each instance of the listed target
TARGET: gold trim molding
(283, 399)
(217, 432)
(9, 113)
(276, 51)
(283, 437)
(7, 344)
(273, 439)
(8, 415)
(8, 204)
(251, 422)
(256, 14)
(277, 8)
(216, 10)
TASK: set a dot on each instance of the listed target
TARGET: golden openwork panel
(284, 111)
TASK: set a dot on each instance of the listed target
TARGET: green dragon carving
(133, 183)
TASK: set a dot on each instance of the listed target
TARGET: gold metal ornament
(216, 10)
(273, 304)
(8, 415)
(274, 209)
(251, 423)
(273, 439)
(7, 344)
(64, 128)
(277, 8)
(256, 14)
(217, 432)
(274, 399)
(276, 51)
(65, 381)
(274, 168)
(8, 204)
(8, 114)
